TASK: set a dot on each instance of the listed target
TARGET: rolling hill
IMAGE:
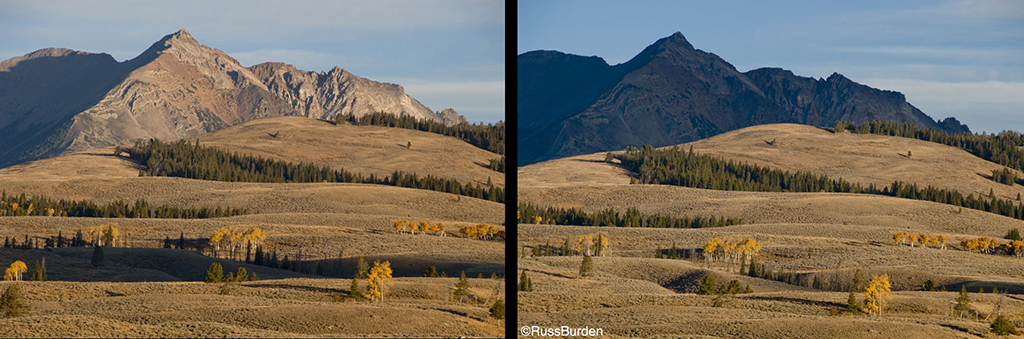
(322, 228)
(822, 237)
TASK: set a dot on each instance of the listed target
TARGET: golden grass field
(828, 235)
(144, 291)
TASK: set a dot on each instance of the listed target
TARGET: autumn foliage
(731, 251)
(423, 227)
(378, 280)
(876, 293)
(483, 231)
(922, 240)
(15, 271)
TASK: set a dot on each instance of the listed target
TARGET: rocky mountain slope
(672, 93)
(54, 101)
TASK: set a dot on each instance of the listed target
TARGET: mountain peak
(675, 40)
(181, 36)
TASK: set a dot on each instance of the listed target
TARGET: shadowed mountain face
(54, 101)
(671, 93)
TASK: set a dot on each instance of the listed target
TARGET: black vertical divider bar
(511, 180)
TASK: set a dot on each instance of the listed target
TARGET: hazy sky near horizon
(446, 53)
(962, 58)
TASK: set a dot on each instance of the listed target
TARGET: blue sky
(950, 58)
(445, 53)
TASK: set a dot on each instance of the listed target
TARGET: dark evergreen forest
(673, 166)
(191, 160)
(22, 205)
(490, 137)
(609, 217)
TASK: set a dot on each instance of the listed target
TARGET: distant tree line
(490, 137)
(673, 166)
(1003, 148)
(609, 217)
(190, 160)
(22, 205)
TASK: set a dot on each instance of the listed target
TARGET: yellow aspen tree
(110, 236)
(14, 271)
(441, 227)
(941, 239)
(1018, 247)
(378, 280)
(923, 239)
(537, 219)
(399, 225)
(424, 226)
(584, 243)
(219, 238)
(912, 238)
(877, 290)
(709, 249)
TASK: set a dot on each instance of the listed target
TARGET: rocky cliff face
(672, 93)
(324, 95)
(57, 100)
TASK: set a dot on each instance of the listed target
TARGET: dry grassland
(826, 235)
(144, 291)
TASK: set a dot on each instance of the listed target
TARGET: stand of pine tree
(489, 137)
(22, 205)
(673, 166)
(182, 159)
(609, 217)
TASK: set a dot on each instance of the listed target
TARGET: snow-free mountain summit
(56, 100)
(672, 93)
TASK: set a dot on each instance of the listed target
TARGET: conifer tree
(215, 273)
(11, 303)
(259, 256)
(430, 272)
(587, 266)
(963, 301)
(525, 285)
(498, 309)
(241, 275)
(97, 256)
(707, 285)
(38, 272)
(674, 252)
(361, 268)
(1002, 326)
(181, 241)
(851, 303)
(462, 287)
(354, 290)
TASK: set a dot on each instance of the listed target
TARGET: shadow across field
(824, 304)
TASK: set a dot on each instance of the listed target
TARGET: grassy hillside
(145, 290)
(823, 236)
